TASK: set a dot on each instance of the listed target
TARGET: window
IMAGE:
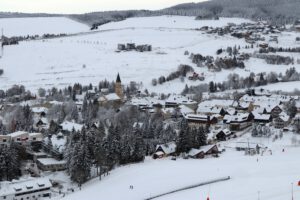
(46, 195)
(4, 140)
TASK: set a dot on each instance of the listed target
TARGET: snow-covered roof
(194, 152)
(239, 117)
(284, 117)
(203, 149)
(18, 134)
(185, 110)
(39, 109)
(112, 97)
(196, 117)
(231, 111)
(217, 103)
(225, 131)
(68, 126)
(51, 161)
(259, 116)
(56, 102)
(179, 99)
(208, 109)
(13, 188)
(167, 148)
(29, 103)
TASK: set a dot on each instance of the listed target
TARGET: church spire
(118, 79)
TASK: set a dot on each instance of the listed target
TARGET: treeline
(181, 72)
(16, 39)
(96, 19)
(271, 10)
(235, 60)
(234, 81)
(275, 59)
(279, 49)
(18, 93)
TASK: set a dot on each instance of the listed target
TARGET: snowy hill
(40, 26)
(90, 57)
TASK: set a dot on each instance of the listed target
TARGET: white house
(51, 164)
(19, 136)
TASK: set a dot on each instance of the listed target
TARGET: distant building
(130, 46)
(282, 121)
(200, 120)
(203, 151)
(163, 150)
(223, 134)
(26, 190)
(50, 164)
(121, 47)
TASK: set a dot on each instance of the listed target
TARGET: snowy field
(285, 87)
(172, 22)
(91, 57)
(270, 175)
(40, 26)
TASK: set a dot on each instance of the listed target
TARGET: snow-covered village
(197, 101)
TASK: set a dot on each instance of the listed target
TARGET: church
(113, 99)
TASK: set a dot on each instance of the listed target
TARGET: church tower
(118, 87)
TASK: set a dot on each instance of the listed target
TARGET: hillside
(272, 10)
(59, 62)
(270, 174)
(85, 57)
(40, 25)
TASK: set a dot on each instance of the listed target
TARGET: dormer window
(41, 185)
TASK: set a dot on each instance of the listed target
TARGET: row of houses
(21, 137)
(169, 149)
(133, 46)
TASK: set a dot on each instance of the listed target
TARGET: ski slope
(40, 25)
(271, 175)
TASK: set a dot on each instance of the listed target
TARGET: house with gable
(163, 150)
